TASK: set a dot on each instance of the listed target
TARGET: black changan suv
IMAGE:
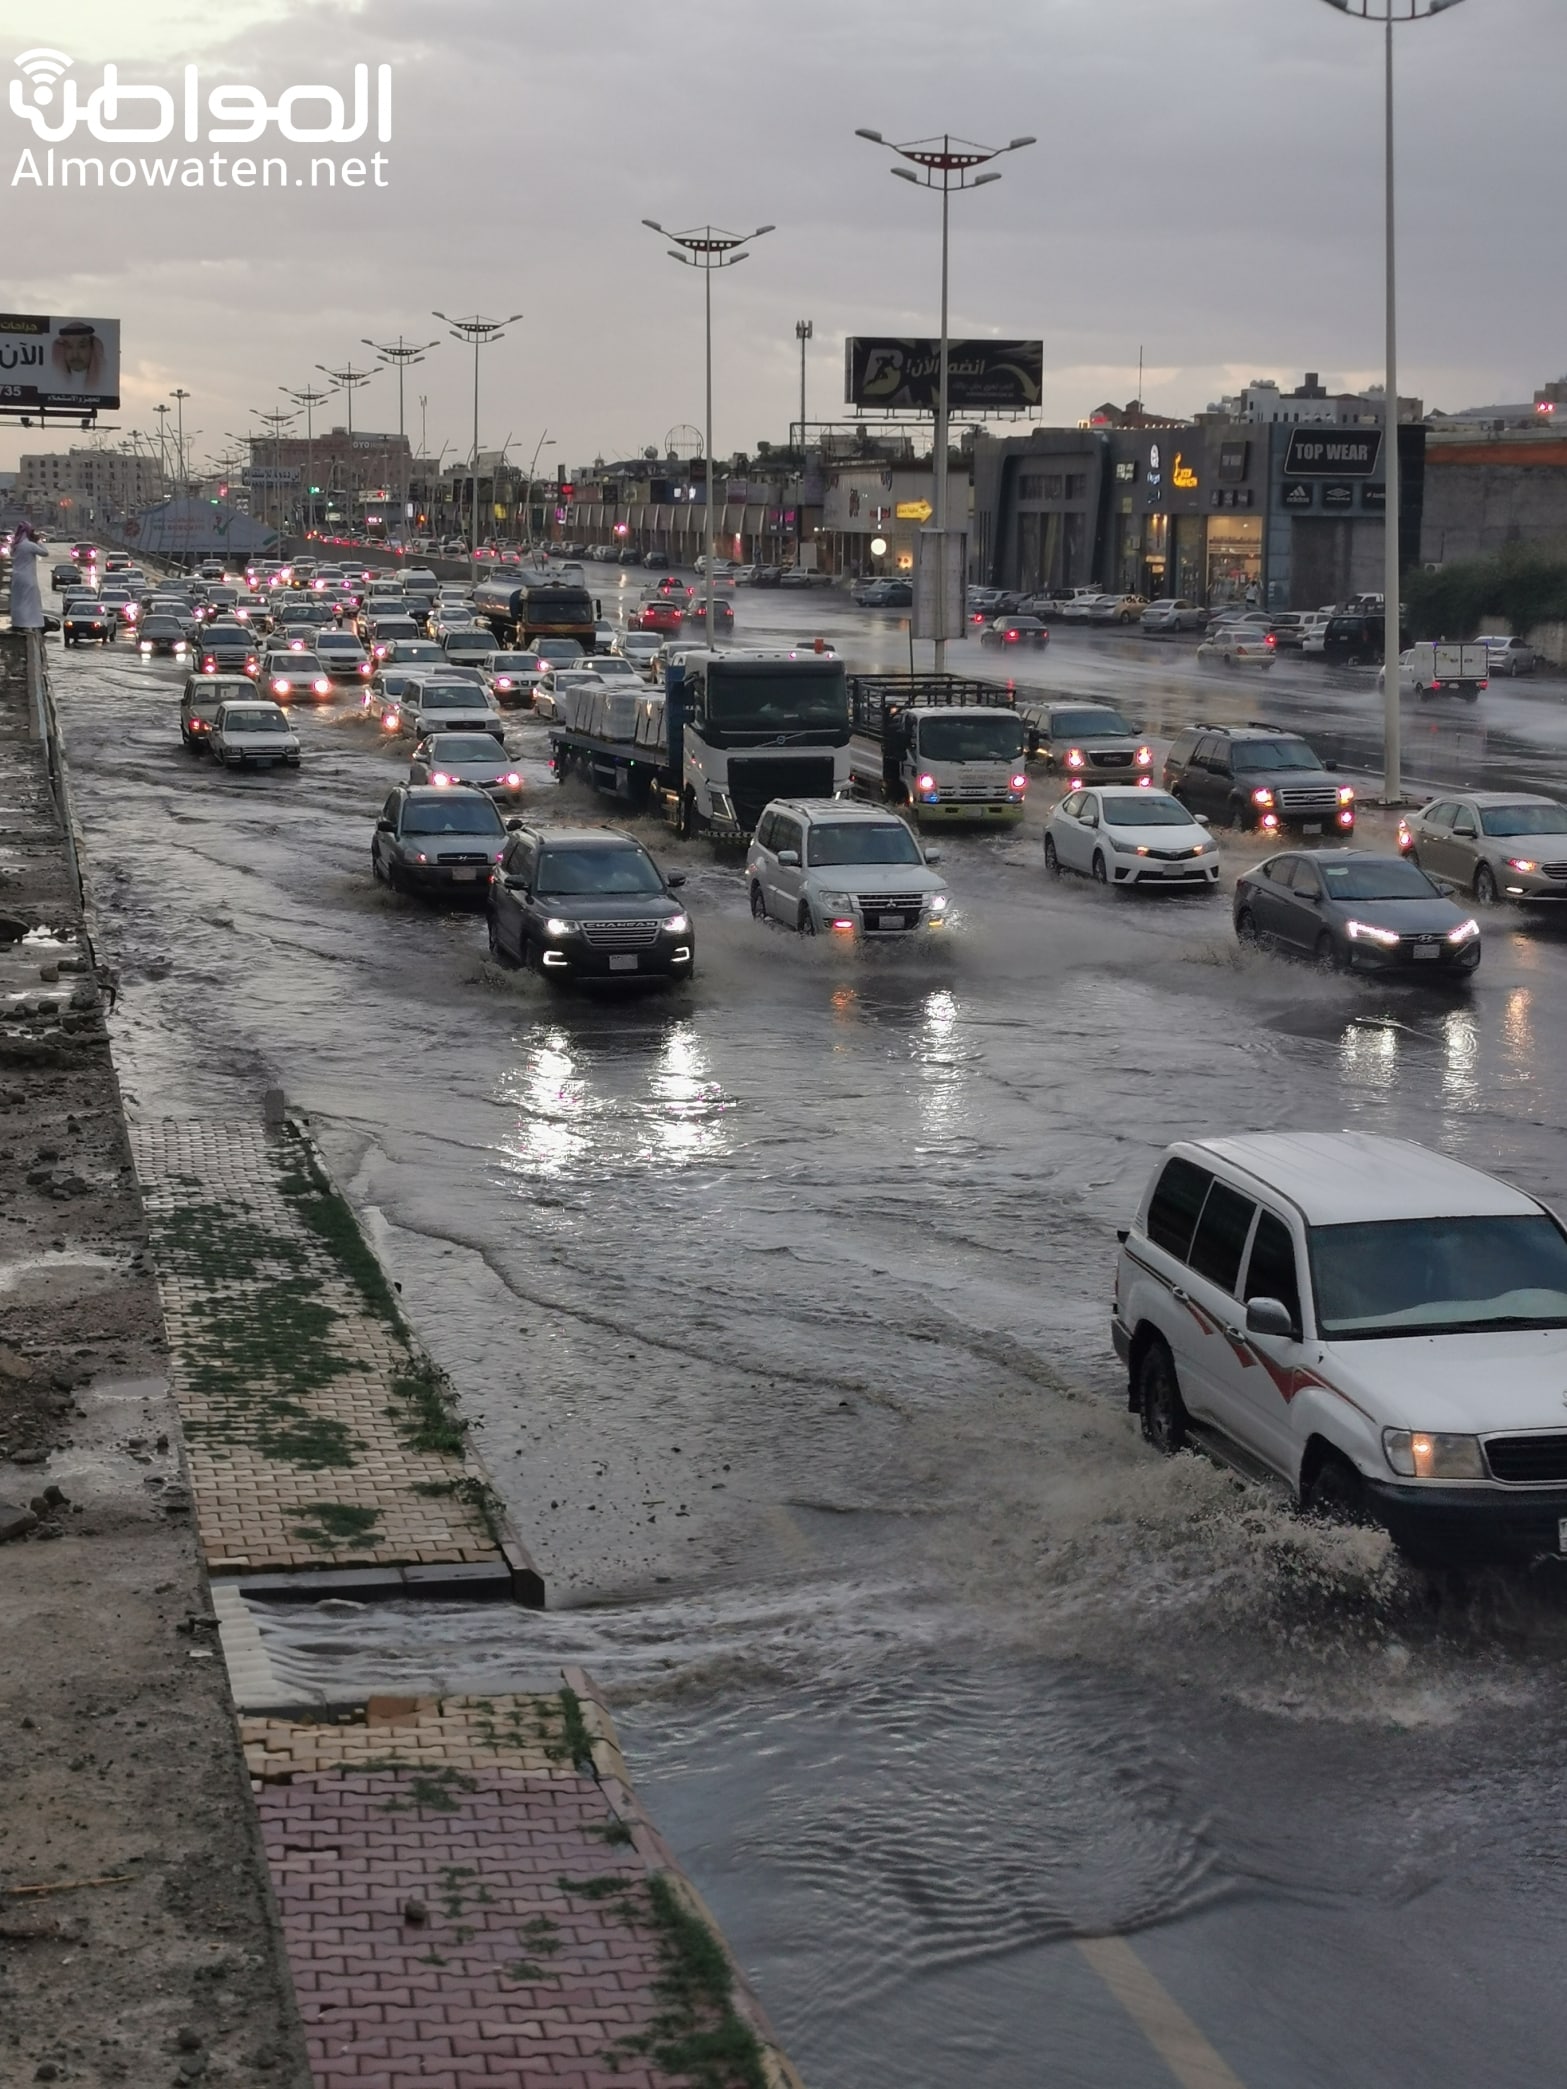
(1255, 776)
(588, 902)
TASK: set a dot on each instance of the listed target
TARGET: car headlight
(1417, 1454)
(555, 926)
(838, 902)
(1525, 863)
(1465, 932)
(1144, 757)
(1074, 758)
(677, 925)
(1364, 932)
(1262, 796)
(938, 903)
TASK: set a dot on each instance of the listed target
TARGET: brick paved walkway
(317, 1436)
(465, 1907)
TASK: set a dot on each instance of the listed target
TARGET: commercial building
(88, 483)
(283, 469)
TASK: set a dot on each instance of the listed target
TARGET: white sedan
(1239, 645)
(1121, 834)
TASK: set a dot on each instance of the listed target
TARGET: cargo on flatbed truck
(947, 747)
(728, 733)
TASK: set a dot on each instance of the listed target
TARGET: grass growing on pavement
(331, 1218)
(426, 1414)
(338, 1526)
(578, 1741)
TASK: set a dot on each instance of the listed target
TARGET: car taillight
(1270, 640)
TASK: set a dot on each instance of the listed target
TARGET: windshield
(296, 664)
(862, 841)
(452, 816)
(1147, 809)
(592, 869)
(338, 642)
(1524, 819)
(971, 736)
(448, 698)
(470, 642)
(558, 649)
(416, 649)
(1272, 754)
(1376, 877)
(465, 747)
(609, 665)
(516, 663)
(257, 721)
(1439, 1276)
(772, 699)
(1083, 725)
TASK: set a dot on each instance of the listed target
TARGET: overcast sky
(1206, 185)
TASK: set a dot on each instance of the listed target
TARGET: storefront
(1234, 559)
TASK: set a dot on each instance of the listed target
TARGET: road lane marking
(1157, 2014)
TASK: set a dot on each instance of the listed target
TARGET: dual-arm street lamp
(945, 163)
(479, 333)
(309, 400)
(402, 355)
(545, 441)
(182, 469)
(348, 380)
(708, 248)
(803, 332)
(1389, 13)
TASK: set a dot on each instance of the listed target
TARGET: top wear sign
(1330, 453)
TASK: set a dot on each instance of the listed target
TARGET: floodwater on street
(781, 1305)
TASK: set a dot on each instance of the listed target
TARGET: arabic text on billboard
(982, 376)
(66, 363)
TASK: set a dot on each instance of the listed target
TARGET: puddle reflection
(582, 1107)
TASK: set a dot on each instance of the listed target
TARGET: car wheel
(1412, 855)
(1352, 660)
(1052, 860)
(498, 950)
(1101, 875)
(1421, 691)
(1485, 886)
(1160, 1406)
(758, 903)
(1246, 926)
(807, 922)
(1326, 953)
(1336, 1493)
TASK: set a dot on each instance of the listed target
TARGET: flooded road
(782, 1307)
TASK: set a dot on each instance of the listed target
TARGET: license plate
(464, 877)
(1312, 827)
(1175, 870)
(889, 921)
(623, 964)
(1427, 950)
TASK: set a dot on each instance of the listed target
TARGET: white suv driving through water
(1383, 1328)
(825, 865)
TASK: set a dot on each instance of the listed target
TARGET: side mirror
(513, 826)
(384, 827)
(1269, 1316)
(788, 859)
(1331, 768)
(675, 880)
(933, 856)
(1202, 819)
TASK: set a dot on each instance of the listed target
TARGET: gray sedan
(1496, 844)
(1357, 912)
(478, 759)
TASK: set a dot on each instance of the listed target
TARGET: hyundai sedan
(1356, 912)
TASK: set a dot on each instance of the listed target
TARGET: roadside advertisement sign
(62, 364)
(982, 376)
(1333, 453)
(938, 584)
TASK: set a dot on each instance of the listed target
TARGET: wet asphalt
(782, 1309)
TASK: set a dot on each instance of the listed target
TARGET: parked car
(1084, 743)
(1173, 613)
(247, 733)
(1382, 1327)
(825, 866)
(1510, 656)
(1120, 835)
(434, 839)
(1355, 911)
(1117, 609)
(1494, 844)
(588, 903)
(1256, 776)
(1356, 638)
(478, 759)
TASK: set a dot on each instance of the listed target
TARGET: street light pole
(347, 381)
(275, 423)
(481, 333)
(163, 452)
(803, 331)
(708, 248)
(1389, 13)
(945, 163)
(403, 354)
(544, 438)
(181, 469)
(309, 400)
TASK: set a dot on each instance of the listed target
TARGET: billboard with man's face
(61, 363)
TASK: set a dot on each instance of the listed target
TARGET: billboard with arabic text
(982, 376)
(66, 365)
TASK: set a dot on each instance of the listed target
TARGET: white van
(1382, 1328)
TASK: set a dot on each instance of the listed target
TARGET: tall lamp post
(1389, 13)
(945, 164)
(163, 445)
(181, 469)
(803, 332)
(309, 400)
(707, 248)
(545, 441)
(402, 355)
(480, 333)
(348, 381)
(275, 423)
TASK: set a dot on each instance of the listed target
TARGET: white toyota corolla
(1126, 834)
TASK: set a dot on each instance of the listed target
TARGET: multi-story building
(99, 482)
